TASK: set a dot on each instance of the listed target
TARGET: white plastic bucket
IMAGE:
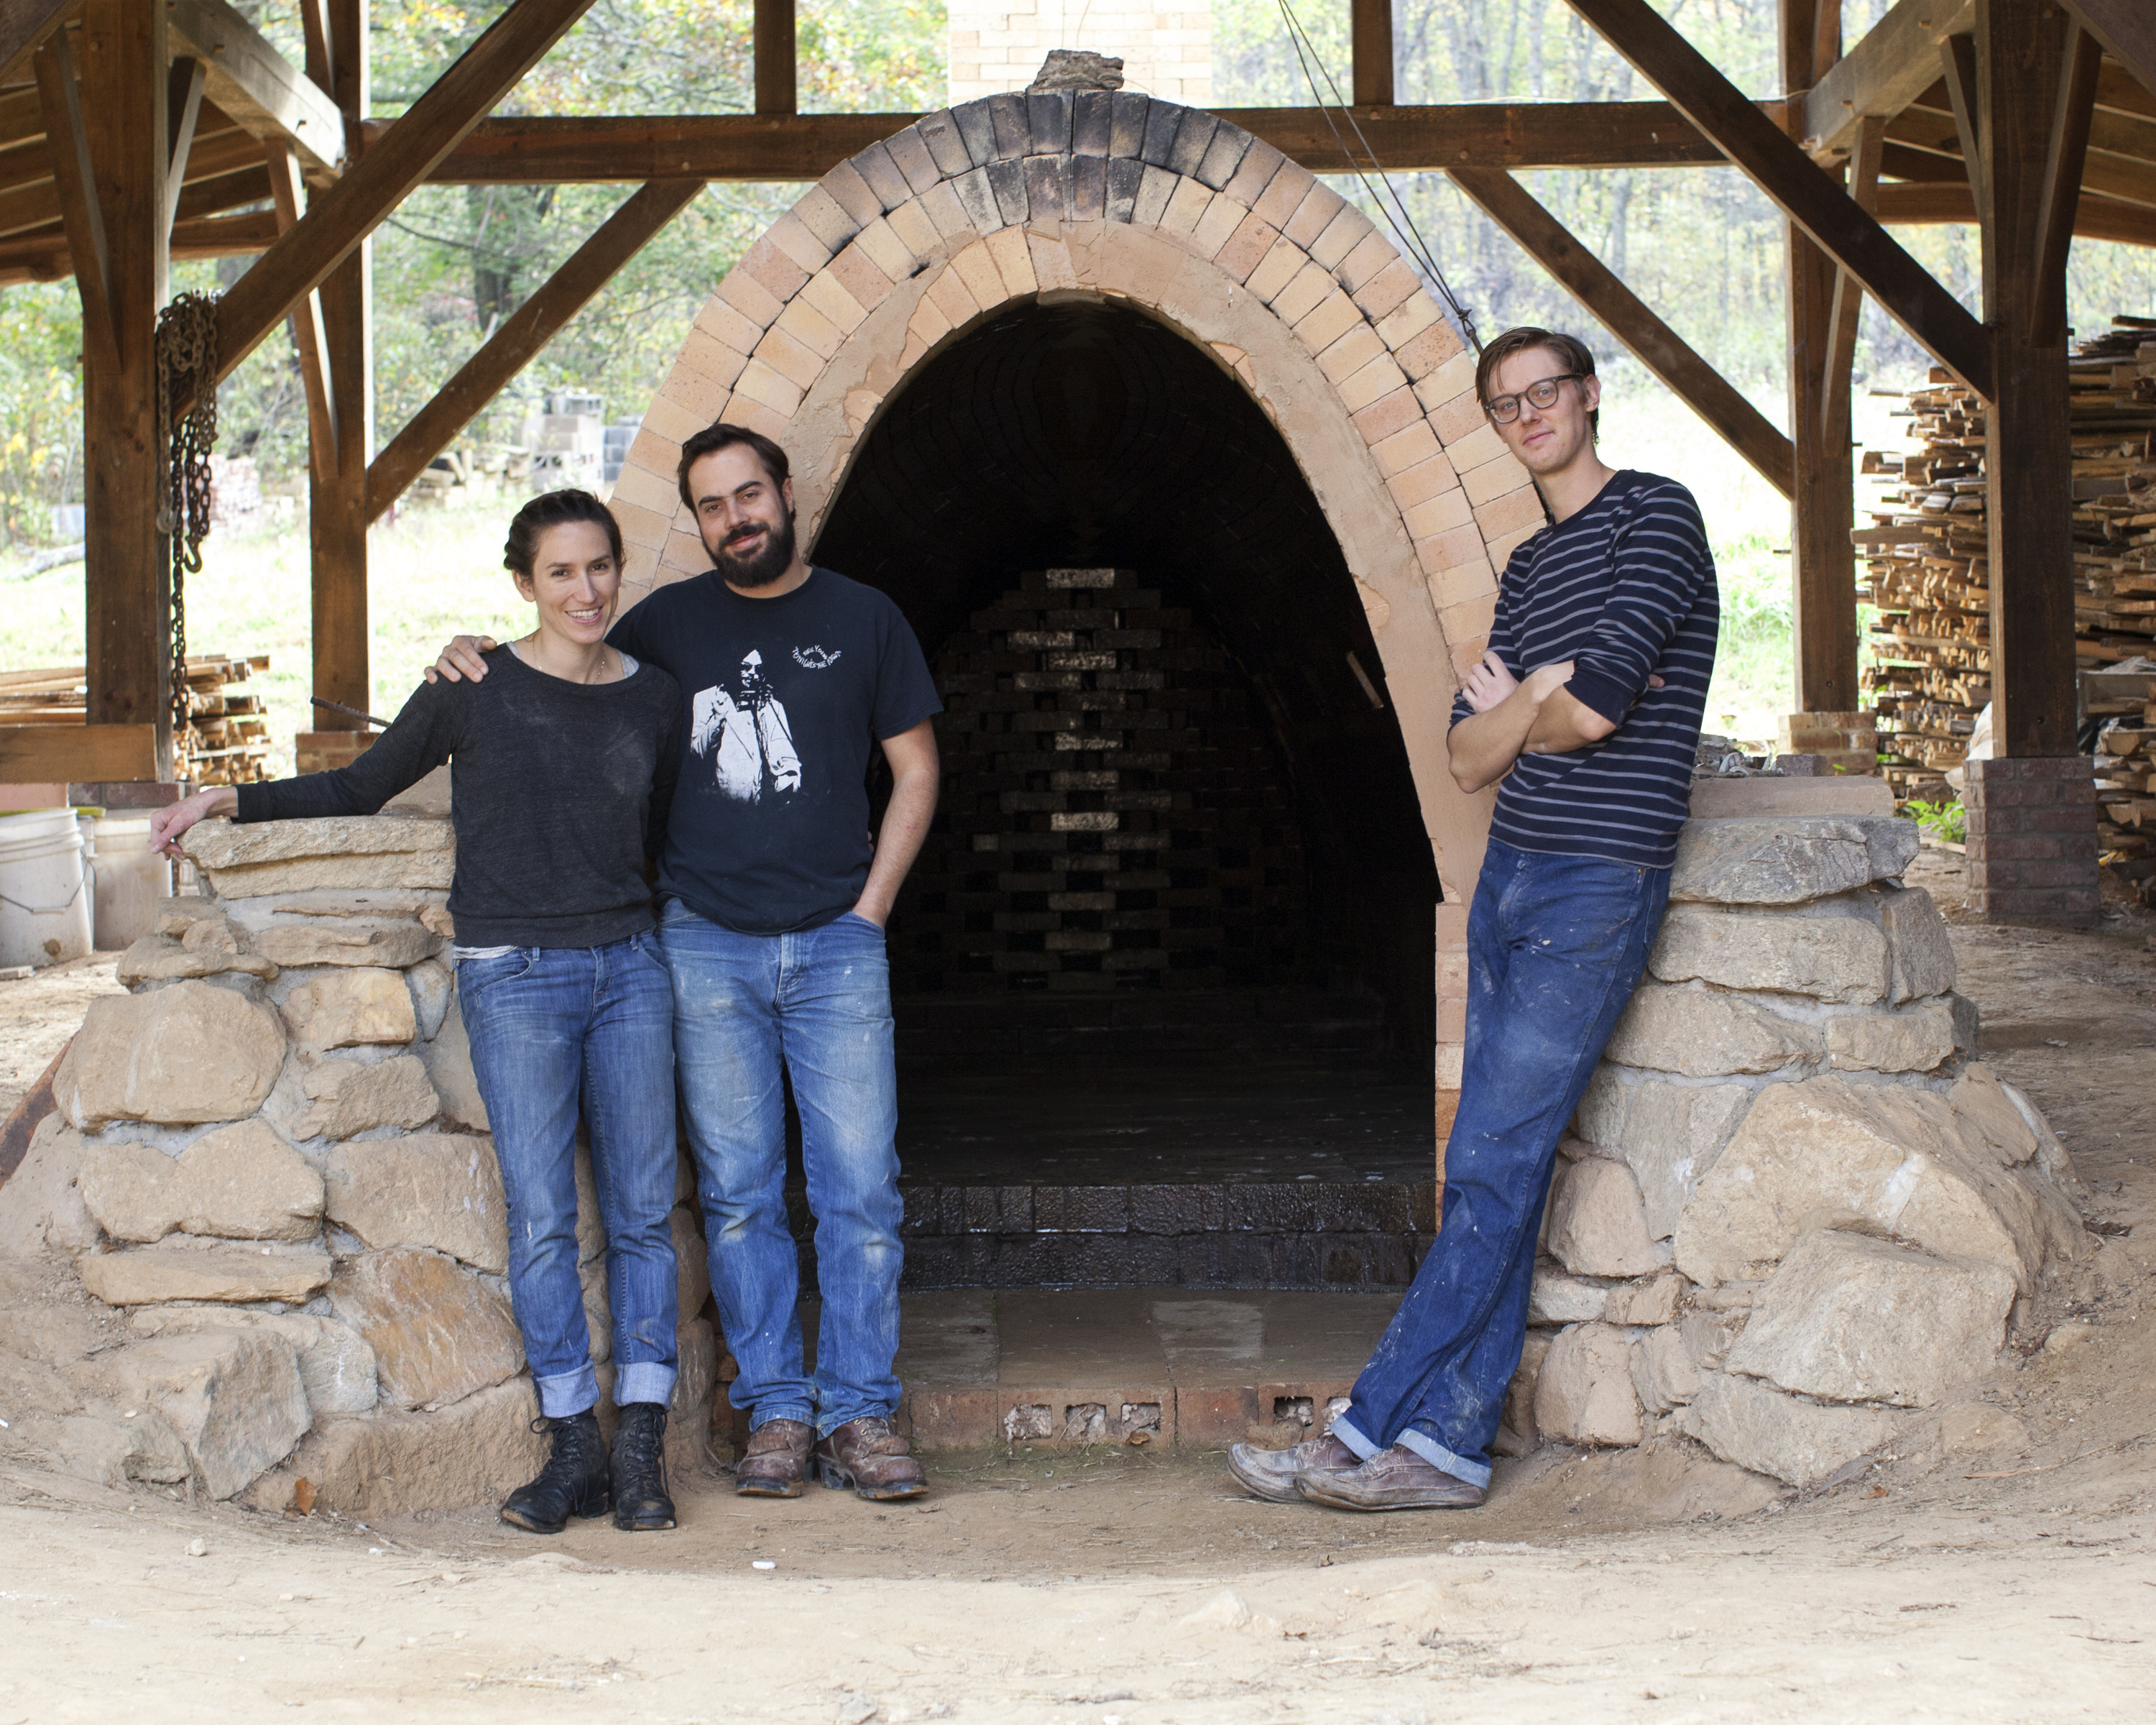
(44, 895)
(129, 880)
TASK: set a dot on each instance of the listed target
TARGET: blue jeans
(1556, 945)
(817, 1005)
(551, 1028)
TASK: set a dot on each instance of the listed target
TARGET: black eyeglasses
(1542, 392)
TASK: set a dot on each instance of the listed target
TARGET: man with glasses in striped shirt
(1587, 706)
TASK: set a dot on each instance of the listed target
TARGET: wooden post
(1822, 509)
(1372, 47)
(2031, 811)
(337, 488)
(122, 63)
(777, 88)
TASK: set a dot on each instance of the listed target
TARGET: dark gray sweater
(559, 796)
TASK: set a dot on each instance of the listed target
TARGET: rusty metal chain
(187, 353)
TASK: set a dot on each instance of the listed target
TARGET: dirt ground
(2002, 1565)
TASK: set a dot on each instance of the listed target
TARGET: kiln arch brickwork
(919, 239)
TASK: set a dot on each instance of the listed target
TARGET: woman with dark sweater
(564, 761)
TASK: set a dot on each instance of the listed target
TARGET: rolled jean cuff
(646, 1381)
(1474, 1473)
(1344, 1428)
(804, 1412)
(569, 1395)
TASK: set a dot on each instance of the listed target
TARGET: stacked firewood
(226, 740)
(1926, 551)
(1112, 816)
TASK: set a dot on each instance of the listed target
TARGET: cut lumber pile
(1925, 551)
(1113, 817)
(226, 740)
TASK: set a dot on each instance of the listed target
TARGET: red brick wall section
(2032, 839)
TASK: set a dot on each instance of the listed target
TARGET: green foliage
(1942, 820)
(41, 426)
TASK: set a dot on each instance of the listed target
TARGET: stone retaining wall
(272, 1154)
(1794, 1205)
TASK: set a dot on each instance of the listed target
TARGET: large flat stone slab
(439, 1332)
(189, 1269)
(438, 1189)
(241, 1182)
(1804, 1443)
(1840, 958)
(235, 1398)
(370, 852)
(1788, 861)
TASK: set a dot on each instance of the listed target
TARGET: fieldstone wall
(272, 1156)
(1794, 1206)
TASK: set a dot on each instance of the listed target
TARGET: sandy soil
(2002, 1566)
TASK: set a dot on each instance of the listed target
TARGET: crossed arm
(1536, 714)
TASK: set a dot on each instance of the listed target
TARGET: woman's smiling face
(575, 581)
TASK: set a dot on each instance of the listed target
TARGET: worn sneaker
(777, 1462)
(1271, 1474)
(866, 1455)
(640, 1503)
(1392, 1479)
(575, 1481)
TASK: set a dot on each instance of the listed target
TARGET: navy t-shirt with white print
(787, 697)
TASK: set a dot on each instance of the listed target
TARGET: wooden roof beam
(2065, 157)
(522, 335)
(1622, 312)
(1775, 162)
(603, 149)
(2127, 28)
(1897, 61)
(401, 157)
(1927, 203)
(23, 25)
(267, 94)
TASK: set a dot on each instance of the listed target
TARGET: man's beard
(772, 559)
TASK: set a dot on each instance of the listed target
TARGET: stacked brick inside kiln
(1112, 818)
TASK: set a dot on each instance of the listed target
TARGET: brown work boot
(778, 1460)
(1271, 1474)
(867, 1455)
(1392, 1479)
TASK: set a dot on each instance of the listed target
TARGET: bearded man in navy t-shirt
(1587, 706)
(774, 893)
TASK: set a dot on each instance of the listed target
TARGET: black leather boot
(640, 1503)
(575, 1481)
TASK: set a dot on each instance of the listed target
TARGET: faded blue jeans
(1555, 947)
(817, 1004)
(553, 1028)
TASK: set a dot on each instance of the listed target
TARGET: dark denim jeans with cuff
(553, 1029)
(1556, 945)
(751, 1013)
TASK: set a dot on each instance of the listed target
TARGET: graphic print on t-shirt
(742, 730)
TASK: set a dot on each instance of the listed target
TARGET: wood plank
(1870, 142)
(24, 25)
(1371, 44)
(208, 198)
(78, 752)
(336, 501)
(2094, 217)
(2127, 30)
(124, 66)
(1773, 161)
(264, 92)
(2028, 458)
(286, 188)
(1658, 347)
(44, 257)
(2066, 155)
(774, 41)
(74, 179)
(2112, 168)
(1822, 508)
(612, 148)
(183, 105)
(400, 157)
(521, 337)
(1897, 61)
(1958, 61)
(30, 200)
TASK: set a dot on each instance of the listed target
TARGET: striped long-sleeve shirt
(1625, 589)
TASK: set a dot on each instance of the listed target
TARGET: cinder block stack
(1836, 742)
(1113, 817)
